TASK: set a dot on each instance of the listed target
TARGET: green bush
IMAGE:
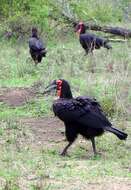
(100, 10)
(47, 14)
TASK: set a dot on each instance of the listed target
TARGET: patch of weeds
(24, 68)
(35, 108)
(50, 152)
(11, 124)
(41, 185)
(109, 105)
(12, 184)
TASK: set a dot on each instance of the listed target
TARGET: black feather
(90, 41)
(82, 115)
(37, 47)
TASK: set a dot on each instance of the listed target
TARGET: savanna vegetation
(30, 137)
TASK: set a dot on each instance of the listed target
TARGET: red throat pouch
(59, 87)
(81, 25)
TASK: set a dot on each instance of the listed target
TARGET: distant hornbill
(81, 115)
(90, 41)
(37, 48)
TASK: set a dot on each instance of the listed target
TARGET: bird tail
(108, 46)
(43, 52)
(121, 135)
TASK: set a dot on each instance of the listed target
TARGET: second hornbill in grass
(90, 41)
(81, 115)
(37, 48)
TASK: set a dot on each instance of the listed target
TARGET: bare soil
(46, 131)
(16, 96)
(100, 184)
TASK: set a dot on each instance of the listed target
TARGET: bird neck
(66, 94)
(34, 35)
(83, 30)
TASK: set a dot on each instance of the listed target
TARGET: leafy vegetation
(49, 15)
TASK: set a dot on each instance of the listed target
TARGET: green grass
(26, 165)
(34, 108)
(110, 87)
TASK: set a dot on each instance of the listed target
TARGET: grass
(109, 82)
(24, 163)
(34, 108)
(105, 76)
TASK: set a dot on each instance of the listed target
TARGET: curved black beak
(50, 88)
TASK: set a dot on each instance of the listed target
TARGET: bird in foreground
(88, 41)
(36, 46)
(81, 115)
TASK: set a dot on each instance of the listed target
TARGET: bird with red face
(88, 41)
(81, 115)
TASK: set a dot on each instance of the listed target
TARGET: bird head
(61, 87)
(80, 28)
(34, 32)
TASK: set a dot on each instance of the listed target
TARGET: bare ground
(50, 132)
(46, 131)
(16, 96)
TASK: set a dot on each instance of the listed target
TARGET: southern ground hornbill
(81, 115)
(90, 41)
(37, 48)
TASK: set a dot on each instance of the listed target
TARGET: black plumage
(37, 47)
(90, 41)
(81, 115)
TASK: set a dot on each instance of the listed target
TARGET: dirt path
(46, 131)
(16, 96)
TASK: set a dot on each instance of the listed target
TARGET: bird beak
(78, 33)
(50, 88)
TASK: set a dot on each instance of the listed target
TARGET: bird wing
(75, 111)
(91, 102)
(36, 44)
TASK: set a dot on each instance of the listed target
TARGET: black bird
(81, 115)
(90, 41)
(37, 48)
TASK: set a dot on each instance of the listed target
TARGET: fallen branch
(126, 33)
(117, 40)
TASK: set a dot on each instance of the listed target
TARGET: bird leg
(64, 152)
(86, 51)
(93, 145)
(36, 62)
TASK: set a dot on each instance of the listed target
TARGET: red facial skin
(59, 86)
(80, 28)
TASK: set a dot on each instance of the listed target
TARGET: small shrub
(109, 105)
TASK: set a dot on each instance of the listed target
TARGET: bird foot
(64, 154)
